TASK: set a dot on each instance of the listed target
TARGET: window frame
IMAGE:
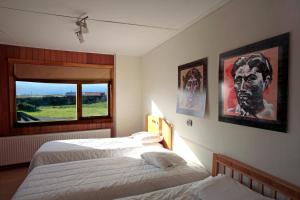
(79, 115)
(79, 88)
(81, 123)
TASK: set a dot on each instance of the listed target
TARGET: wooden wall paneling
(74, 57)
(69, 58)
(11, 94)
(57, 56)
(81, 57)
(26, 53)
(4, 117)
(108, 59)
(91, 59)
(47, 54)
(2, 89)
(38, 54)
(12, 52)
(81, 125)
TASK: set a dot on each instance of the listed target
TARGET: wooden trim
(146, 122)
(277, 184)
(63, 64)
(65, 81)
(65, 122)
(78, 97)
(78, 104)
(40, 126)
(79, 101)
(112, 102)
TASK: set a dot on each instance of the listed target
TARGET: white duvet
(59, 151)
(106, 178)
(211, 188)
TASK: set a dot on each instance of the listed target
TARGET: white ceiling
(38, 23)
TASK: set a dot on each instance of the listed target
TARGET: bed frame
(155, 124)
(255, 179)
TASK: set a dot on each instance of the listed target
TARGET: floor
(10, 179)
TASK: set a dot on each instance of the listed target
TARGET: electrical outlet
(189, 122)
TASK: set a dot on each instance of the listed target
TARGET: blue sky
(32, 88)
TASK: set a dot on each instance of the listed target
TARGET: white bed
(82, 149)
(239, 181)
(59, 151)
(211, 188)
(105, 178)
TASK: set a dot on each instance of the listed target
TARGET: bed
(230, 180)
(105, 178)
(59, 151)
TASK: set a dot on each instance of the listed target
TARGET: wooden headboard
(155, 124)
(255, 179)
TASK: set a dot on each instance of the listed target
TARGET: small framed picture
(253, 84)
(192, 88)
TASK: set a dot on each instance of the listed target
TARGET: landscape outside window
(46, 102)
(94, 100)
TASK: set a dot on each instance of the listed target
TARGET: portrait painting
(191, 94)
(253, 84)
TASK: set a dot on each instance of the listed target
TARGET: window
(49, 102)
(94, 100)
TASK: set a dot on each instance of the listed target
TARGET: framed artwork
(253, 84)
(191, 94)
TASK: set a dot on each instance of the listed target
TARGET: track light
(79, 36)
(81, 23)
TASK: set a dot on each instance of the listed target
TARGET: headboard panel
(155, 124)
(278, 187)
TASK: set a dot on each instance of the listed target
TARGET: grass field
(69, 112)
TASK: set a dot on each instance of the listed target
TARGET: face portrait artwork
(250, 85)
(191, 93)
(191, 85)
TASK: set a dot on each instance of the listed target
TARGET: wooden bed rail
(223, 164)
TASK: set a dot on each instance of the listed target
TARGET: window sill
(65, 122)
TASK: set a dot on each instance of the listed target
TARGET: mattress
(105, 178)
(59, 151)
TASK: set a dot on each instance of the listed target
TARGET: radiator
(20, 149)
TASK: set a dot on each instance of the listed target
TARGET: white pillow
(225, 188)
(163, 159)
(147, 137)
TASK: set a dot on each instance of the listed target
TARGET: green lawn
(95, 109)
(69, 112)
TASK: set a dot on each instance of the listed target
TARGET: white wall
(238, 23)
(128, 112)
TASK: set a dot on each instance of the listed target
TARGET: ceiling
(126, 27)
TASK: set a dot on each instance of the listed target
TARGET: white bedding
(211, 188)
(59, 151)
(105, 178)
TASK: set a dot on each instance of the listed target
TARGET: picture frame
(253, 84)
(192, 88)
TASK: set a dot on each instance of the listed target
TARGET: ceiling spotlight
(79, 36)
(81, 23)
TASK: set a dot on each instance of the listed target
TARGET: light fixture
(81, 23)
(79, 35)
